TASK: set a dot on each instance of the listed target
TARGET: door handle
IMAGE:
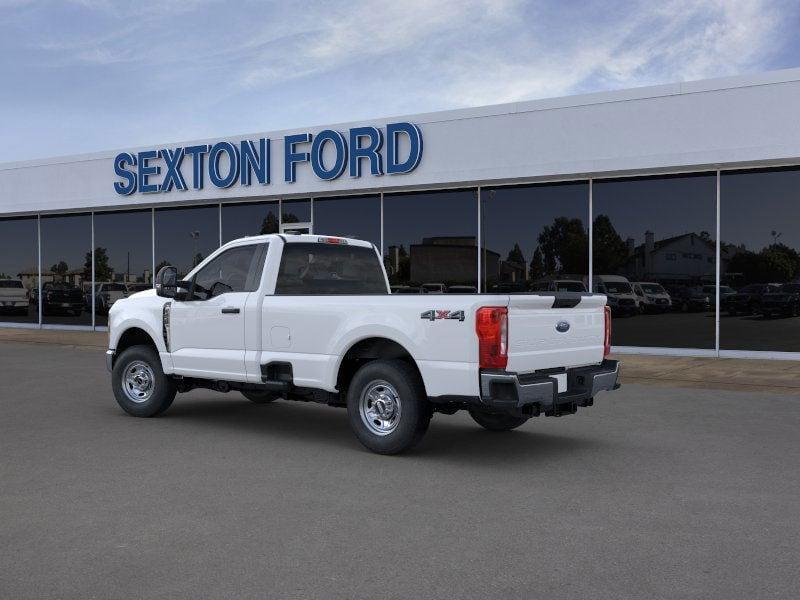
(229, 310)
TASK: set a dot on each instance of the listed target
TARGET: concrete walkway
(773, 376)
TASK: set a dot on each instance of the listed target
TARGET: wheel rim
(138, 382)
(380, 407)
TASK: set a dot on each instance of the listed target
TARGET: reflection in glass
(355, 217)
(654, 257)
(296, 211)
(123, 258)
(185, 236)
(535, 238)
(19, 270)
(431, 241)
(252, 218)
(760, 260)
(66, 269)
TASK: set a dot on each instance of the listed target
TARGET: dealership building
(680, 201)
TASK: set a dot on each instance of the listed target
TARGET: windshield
(652, 288)
(726, 289)
(618, 287)
(10, 283)
(569, 286)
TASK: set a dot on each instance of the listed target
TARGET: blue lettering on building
(328, 154)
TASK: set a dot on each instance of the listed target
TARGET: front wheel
(140, 385)
(387, 407)
(496, 421)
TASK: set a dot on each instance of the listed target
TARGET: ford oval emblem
(562, 327)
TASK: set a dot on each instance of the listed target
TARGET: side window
(235, 270)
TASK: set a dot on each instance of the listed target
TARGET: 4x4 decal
(434, 314)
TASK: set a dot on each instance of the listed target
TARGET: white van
(620, 294)
(652, 296)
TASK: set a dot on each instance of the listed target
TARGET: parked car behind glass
(690, 299)
(783, 301)
(652, 297)
(13, 296)
(748, 299)
(60, 298)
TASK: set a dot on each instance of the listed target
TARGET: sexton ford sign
(330, 153)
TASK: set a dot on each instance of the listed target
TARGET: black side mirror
(167, 282)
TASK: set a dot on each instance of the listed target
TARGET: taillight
(331, 240)
(491, 325)
(607, 337)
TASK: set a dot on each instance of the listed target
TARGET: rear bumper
(538, 393)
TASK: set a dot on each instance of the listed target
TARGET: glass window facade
(431, 241)
(19, 270)
(355, 217)
(760, 260)
(535, 238)
(296, 211)
(654, 256)
(653, 251)
(185, 236)
(123, 257)
(66, 243)
(252, 218)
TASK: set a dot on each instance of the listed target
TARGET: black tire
(496, 421)
(259, 396)
(163, 389)
(414, 414)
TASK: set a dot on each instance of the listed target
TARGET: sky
(90, 75)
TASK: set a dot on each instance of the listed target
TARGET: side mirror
(167, 282)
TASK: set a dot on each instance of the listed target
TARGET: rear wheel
(496, 421)
(140, 385)
(387, 407)
(259, 396)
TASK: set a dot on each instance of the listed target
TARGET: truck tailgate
(544, 336)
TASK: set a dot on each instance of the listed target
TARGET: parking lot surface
(652, 493)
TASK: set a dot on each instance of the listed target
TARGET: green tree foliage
(537, 270)
(776, 263)
(610, 250)
(102, 270)
(564, 246)
(515, 255)
(60, 268)
(270, 224)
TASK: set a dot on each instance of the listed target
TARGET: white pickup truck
(308, 317)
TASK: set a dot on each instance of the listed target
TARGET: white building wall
(736, 121)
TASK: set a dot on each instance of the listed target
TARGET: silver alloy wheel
(380, 407)
(138, 381)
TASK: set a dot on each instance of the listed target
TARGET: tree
(515, 255)
(59, 268)
(537, 270)
(610, 251)
(564, 246)
(102, 270)
(269, 224)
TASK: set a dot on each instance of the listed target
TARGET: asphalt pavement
(652, 493)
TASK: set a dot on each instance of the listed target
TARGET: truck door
(207, 331)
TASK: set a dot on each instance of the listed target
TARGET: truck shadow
(449, 438)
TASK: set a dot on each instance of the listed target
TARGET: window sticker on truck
(434, 314)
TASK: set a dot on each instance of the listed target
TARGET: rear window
(10, 283)
(308, 268)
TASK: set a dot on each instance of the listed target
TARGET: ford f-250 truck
(308, 317)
